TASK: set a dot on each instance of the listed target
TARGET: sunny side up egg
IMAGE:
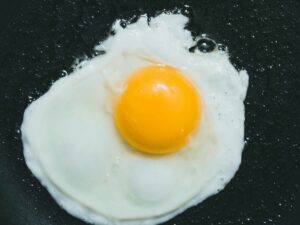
(141, 133)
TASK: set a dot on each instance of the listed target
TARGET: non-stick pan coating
(39, 39)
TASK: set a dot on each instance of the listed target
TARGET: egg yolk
(158, 110)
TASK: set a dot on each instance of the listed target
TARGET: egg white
(72, 146)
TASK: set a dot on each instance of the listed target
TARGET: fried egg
(141, 133)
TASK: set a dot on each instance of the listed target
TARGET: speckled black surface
(43, 38)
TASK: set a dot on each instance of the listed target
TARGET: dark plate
(40, 39)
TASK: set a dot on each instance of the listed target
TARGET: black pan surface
(41, 38)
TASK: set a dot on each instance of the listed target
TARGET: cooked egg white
(73, 146)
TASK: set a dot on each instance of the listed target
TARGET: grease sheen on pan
(71, 143)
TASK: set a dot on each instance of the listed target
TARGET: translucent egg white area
(72, 146)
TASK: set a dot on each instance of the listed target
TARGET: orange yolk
(158, 110)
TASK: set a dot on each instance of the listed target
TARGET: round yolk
(158, 110)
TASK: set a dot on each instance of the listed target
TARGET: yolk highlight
(158, 110)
